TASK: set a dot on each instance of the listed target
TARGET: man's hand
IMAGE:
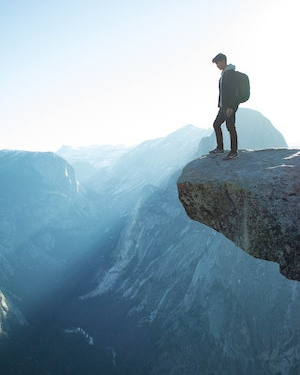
(229, 112)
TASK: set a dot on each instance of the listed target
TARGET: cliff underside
(254, 200)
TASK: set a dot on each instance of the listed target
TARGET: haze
(120, 72)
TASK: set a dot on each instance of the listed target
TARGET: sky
(94, 72)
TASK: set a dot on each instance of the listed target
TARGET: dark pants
(230, 124)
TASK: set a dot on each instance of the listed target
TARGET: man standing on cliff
(227, 107)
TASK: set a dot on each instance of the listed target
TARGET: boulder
(253, 200)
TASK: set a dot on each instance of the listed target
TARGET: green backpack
(242, 87)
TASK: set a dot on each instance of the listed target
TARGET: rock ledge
(253, 200)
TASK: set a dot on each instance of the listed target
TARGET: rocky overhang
(253, 200)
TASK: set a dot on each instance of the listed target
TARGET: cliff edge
(253, 200)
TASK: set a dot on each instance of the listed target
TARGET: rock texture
(253, 200)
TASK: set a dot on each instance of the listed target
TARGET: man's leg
(230, 124)
(217, 126)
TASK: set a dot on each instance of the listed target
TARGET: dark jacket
(227, 91)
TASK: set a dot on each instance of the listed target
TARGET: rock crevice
(253, 200)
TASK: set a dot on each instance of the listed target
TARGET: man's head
(220, 60)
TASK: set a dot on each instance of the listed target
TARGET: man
(227, 107)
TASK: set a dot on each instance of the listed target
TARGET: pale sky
(86, 72)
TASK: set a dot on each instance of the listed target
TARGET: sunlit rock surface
(9, 314)
(253, 200)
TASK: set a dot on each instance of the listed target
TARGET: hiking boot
(217, 151)
(231, 155)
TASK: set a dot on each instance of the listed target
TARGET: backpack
(242, 87)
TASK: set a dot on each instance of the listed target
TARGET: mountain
(88, 160)
(121, 179)
(49, 224)
(153, 292)
(151, 162)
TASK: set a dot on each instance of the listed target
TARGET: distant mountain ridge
(117, 161)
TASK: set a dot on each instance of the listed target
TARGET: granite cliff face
(253, 200)
(48, 225)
